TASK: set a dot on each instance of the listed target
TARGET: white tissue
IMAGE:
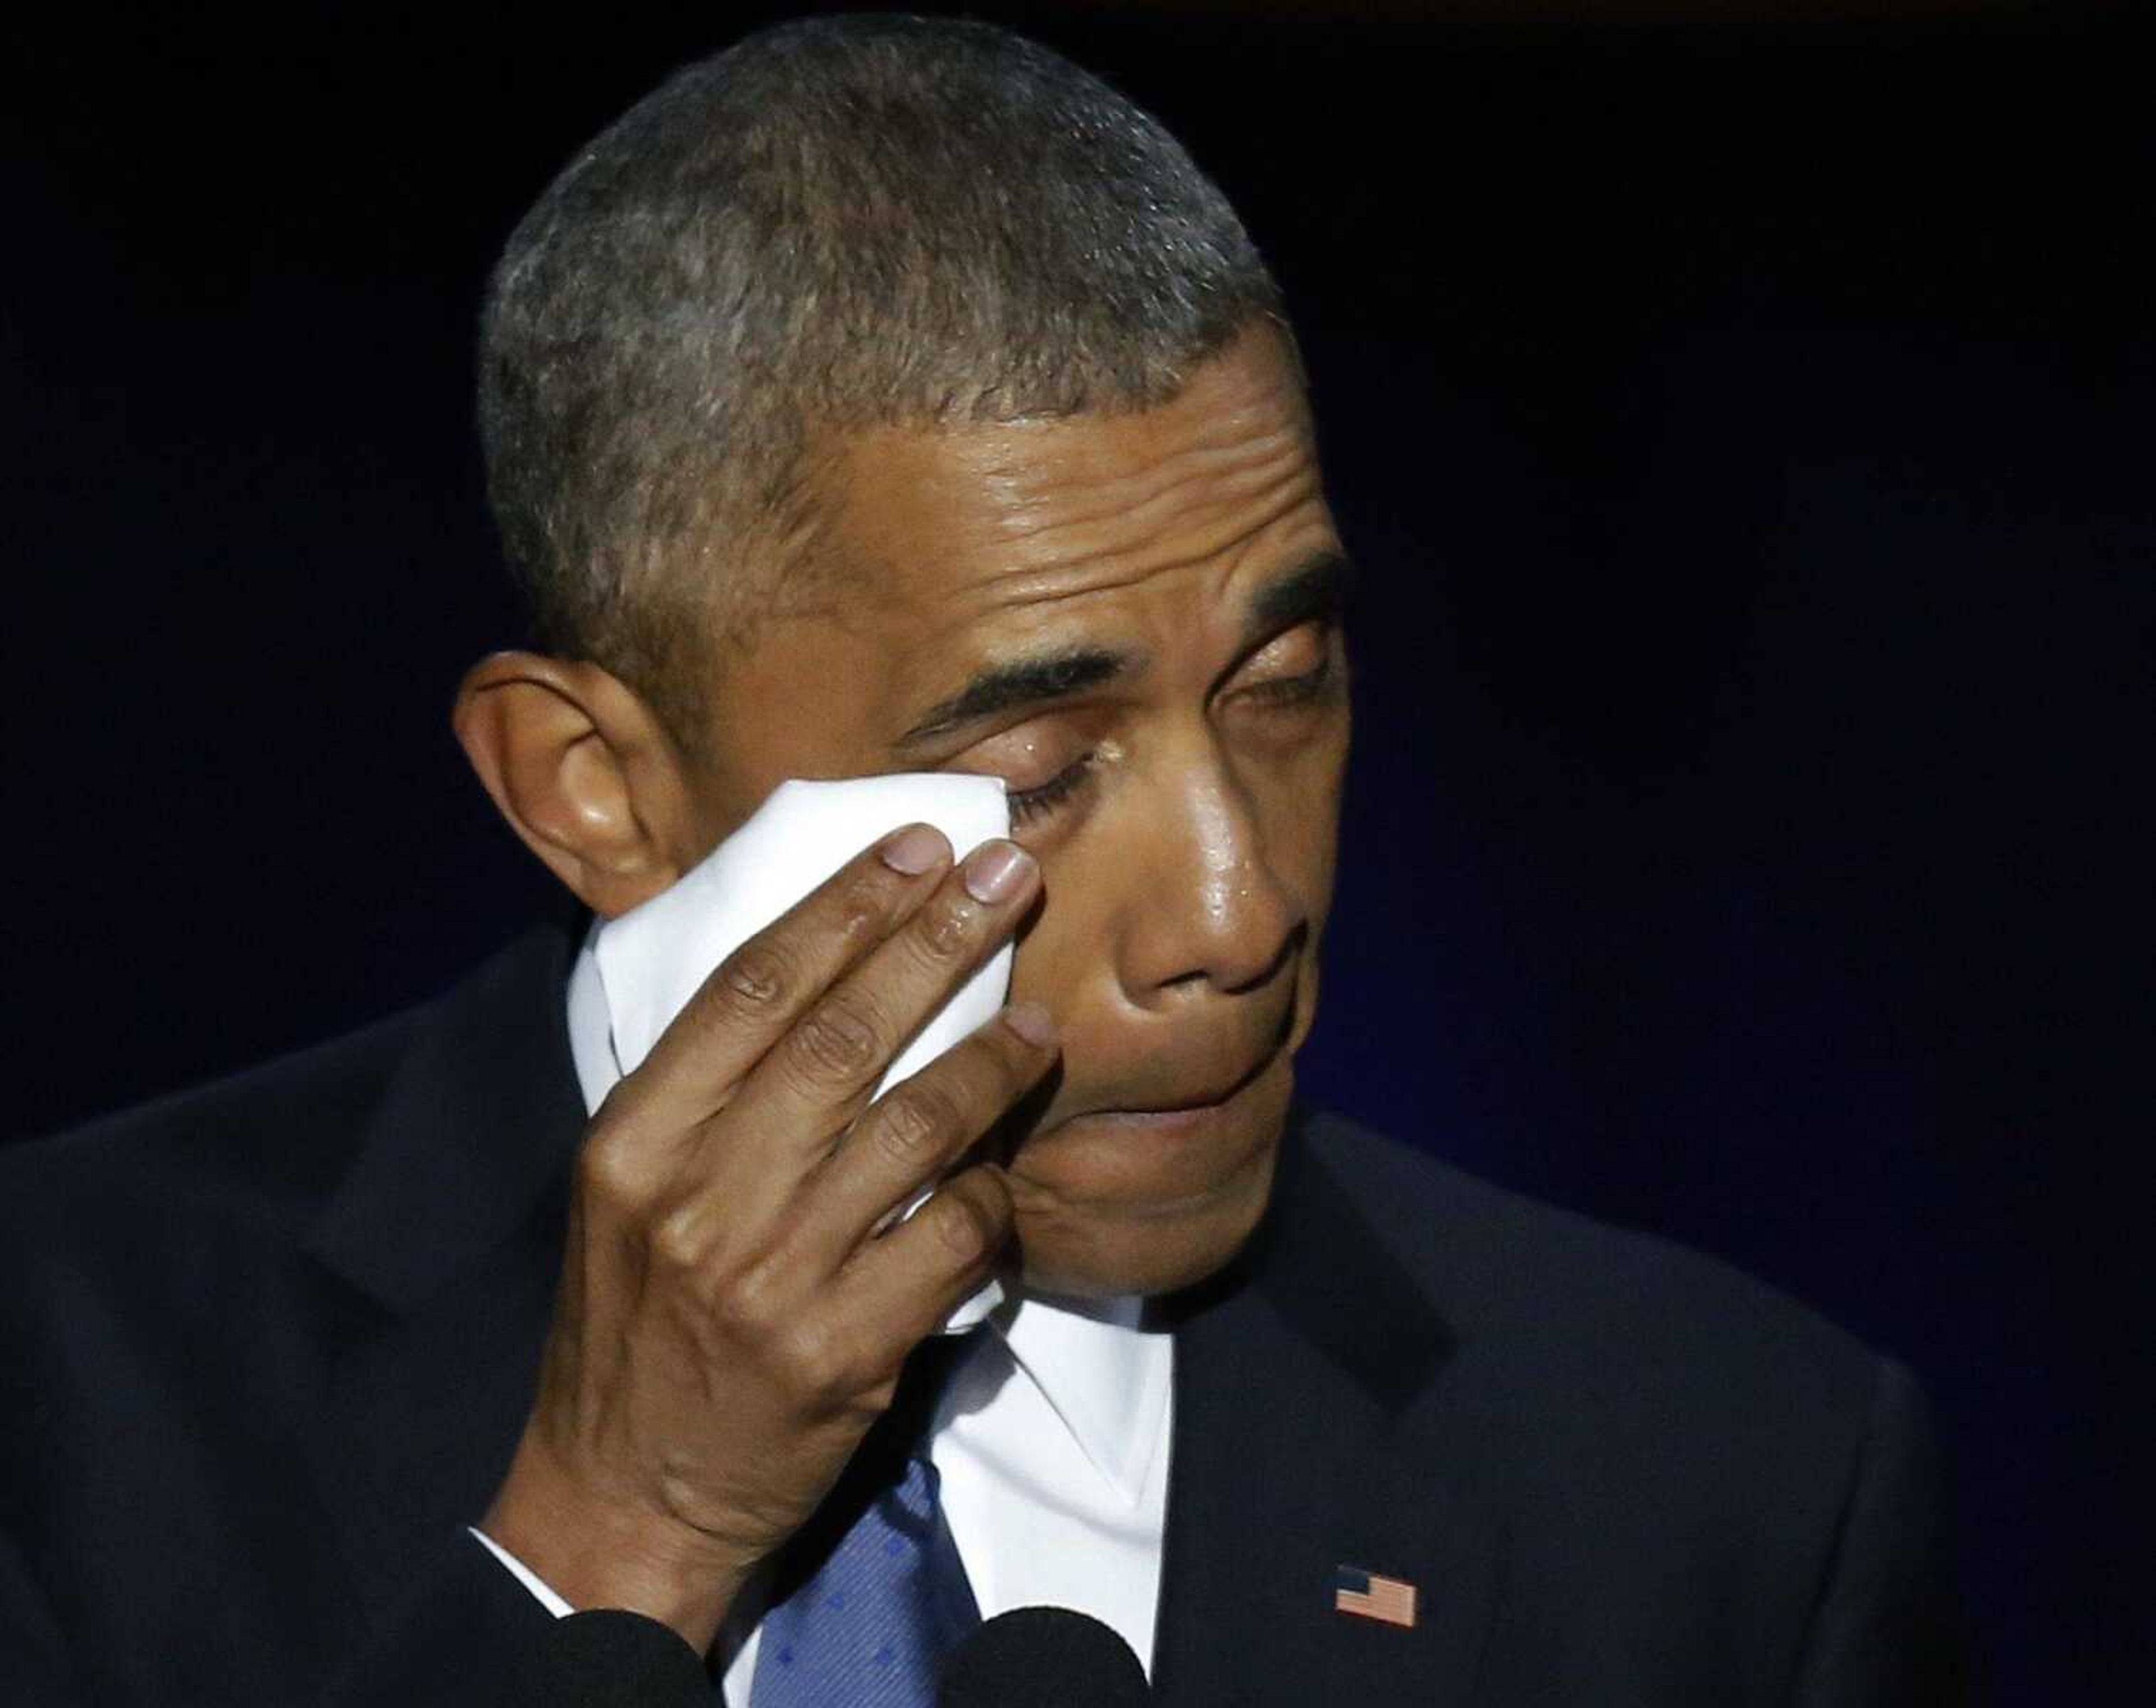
(654, 958)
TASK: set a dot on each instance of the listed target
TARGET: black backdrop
(1743, 418)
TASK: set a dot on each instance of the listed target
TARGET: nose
(1205, 912)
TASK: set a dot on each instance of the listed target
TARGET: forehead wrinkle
(1028, 505)
(1290, 487)
(972, 522)
(1220, 569)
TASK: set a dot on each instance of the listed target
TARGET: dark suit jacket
(267, 1348)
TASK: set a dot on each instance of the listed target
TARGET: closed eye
(1295, 667)
(1299, 689)
(1027, 805)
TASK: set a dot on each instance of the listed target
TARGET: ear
(584, 771)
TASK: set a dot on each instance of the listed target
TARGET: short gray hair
(835, 224)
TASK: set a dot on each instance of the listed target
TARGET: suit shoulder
(1652, 1428)
(1586, 1294)
(267, 1142)
(254, 1160)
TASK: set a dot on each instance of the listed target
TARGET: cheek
(1295, 794)
(1060, 948)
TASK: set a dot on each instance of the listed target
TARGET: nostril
(1233, 976)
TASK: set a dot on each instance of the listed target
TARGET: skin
(728, 1325)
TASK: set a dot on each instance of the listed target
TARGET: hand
(729, 1323)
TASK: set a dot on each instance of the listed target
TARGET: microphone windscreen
(611, 1658)
(1043, 1658)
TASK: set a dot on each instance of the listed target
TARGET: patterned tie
(872, 1596)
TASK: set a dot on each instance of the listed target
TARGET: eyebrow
(1021, 682)
(1316, 588)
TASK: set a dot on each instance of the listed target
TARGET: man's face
(1130, 619)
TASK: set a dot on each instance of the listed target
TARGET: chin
(1077, 1240)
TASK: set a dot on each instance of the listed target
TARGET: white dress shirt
(1051, 1442)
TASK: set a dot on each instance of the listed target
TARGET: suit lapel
(440, 1249)
(1310, 1434)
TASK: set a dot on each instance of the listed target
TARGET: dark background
(1743, 413)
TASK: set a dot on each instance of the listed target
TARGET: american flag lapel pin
(1390, 1601)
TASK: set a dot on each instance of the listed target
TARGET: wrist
(599, 1551)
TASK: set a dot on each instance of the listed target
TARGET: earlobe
(582, 771)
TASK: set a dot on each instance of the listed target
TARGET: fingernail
(993, 871)
(1031, 1022)
(915, 849)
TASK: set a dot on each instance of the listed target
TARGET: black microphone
(609, 1658)
(1043, 1658)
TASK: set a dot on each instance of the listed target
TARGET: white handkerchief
(654, 958)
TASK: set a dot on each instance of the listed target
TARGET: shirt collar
(1102, 1372)
(591, 1027)
(1105, 1375)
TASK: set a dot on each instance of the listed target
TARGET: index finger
(754, 996)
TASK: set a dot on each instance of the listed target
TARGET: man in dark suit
(877, 396)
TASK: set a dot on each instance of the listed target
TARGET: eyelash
(1292, 690)
(1027, 805)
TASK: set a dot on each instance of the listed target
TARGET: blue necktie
(874, 1597)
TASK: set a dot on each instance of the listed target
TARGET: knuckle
(605, 1174)
(814, 1356)
(942, 930)
(912, 1123)
(839, 1041)
(751, 1302)
(863, 907)
(969, 1228)
(676, 1240)
(757, 979)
